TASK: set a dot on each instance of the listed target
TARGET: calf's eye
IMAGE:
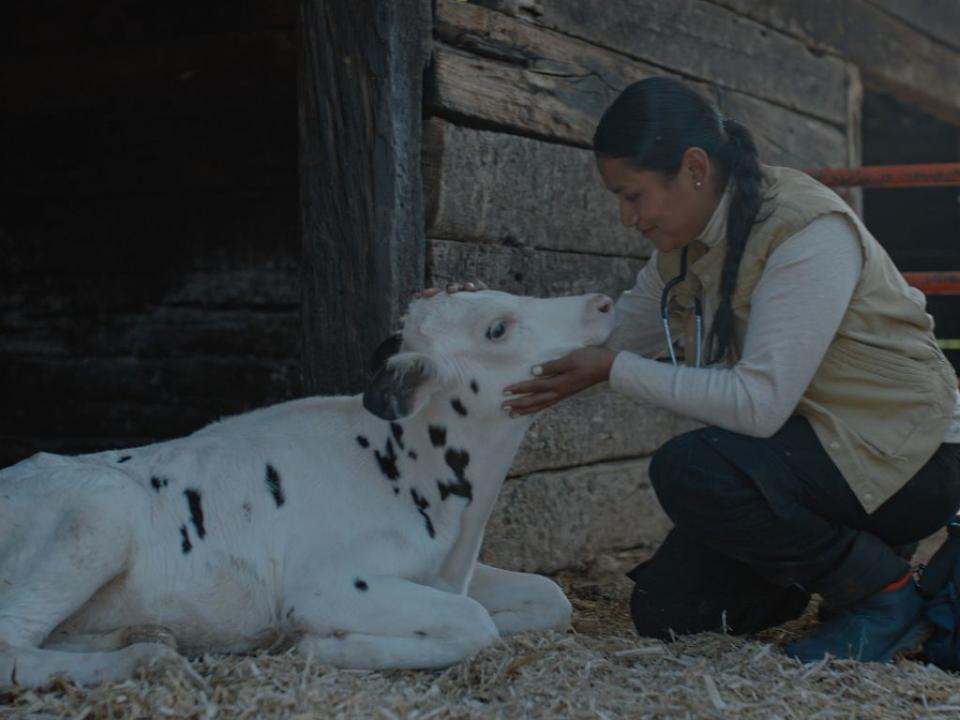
(496, 330)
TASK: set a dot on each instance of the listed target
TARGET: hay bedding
(598, 669)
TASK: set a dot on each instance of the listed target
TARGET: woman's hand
(452, 287)
(559, 379)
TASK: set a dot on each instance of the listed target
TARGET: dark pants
(762, 522)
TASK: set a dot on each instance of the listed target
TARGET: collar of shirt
(716, 228)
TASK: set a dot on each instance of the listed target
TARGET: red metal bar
(935, 283)
(931, 175)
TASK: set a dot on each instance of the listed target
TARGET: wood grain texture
(698, 39)
(892, 56)
(595, 426)
(552, 520)
(525, 271)
(512, 75)
(505, 189)
(940, 19)
(360, 184)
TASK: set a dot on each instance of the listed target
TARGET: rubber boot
(872, 630)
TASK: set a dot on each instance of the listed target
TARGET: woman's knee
(677, 472)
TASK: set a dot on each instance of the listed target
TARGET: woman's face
(670, 212)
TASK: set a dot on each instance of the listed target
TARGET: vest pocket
(881, 398)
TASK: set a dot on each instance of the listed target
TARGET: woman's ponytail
(739, 157)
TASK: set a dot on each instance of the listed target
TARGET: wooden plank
(594, 426)
(45, 383)
(562, 86)
(552, 96)
(526, 271)
(548, 521)
(892, 56)
(186, 231)
(361, 70)
(165, 332)
(700, 40)
(939, 19)
(505, 189)
(785, 138)
(256, 289)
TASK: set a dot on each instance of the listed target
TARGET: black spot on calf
(185, 540)
(438, 435)
(457, 460)
(273, 485)
(412, 454)
(157, 482)
(397, 431)
(361, 585)
(124, 458)
(388, 461)
(458, 406)
(474, 387)
(422, 504)
(247, 509)
(362, 441)
(196, 511)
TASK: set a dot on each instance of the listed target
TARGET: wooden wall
(513, 198)
(149, 239)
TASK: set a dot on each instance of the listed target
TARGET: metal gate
(945, 282)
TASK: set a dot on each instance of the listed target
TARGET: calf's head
(479, 340)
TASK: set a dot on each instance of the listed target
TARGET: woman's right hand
(451, 288)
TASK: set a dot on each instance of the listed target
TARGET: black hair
(652, 124)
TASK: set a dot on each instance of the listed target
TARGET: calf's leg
(382, 622)
(518, 601)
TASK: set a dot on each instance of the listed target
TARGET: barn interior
(149, 222)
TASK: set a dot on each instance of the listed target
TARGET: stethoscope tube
(665, 313)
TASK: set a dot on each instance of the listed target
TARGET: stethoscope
(665, 314)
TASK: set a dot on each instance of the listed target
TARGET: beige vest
(883, 396)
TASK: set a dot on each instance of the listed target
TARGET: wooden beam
(512, 75)
(939, 19)
(892, 56)
(552, 520)
(530, 272)
(504, 189)
(594, 426)
(361, 196)
(700, 40)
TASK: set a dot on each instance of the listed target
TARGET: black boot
(874, 629)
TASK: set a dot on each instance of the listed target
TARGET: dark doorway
(149, 220)
(919, 227)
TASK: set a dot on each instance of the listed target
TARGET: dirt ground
(596, 669)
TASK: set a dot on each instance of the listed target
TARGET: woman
(831, 434)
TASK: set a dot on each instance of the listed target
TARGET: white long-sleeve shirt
(795, 311)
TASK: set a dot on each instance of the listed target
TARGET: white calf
(354, 532)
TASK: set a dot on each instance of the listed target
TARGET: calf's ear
(401, 387)
(385, 350)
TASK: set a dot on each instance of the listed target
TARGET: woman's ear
(401, 387)
(696, 165)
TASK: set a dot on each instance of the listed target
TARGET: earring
(697, 184)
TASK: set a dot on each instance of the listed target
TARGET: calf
(350, 524)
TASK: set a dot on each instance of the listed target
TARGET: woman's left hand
(559, 379)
